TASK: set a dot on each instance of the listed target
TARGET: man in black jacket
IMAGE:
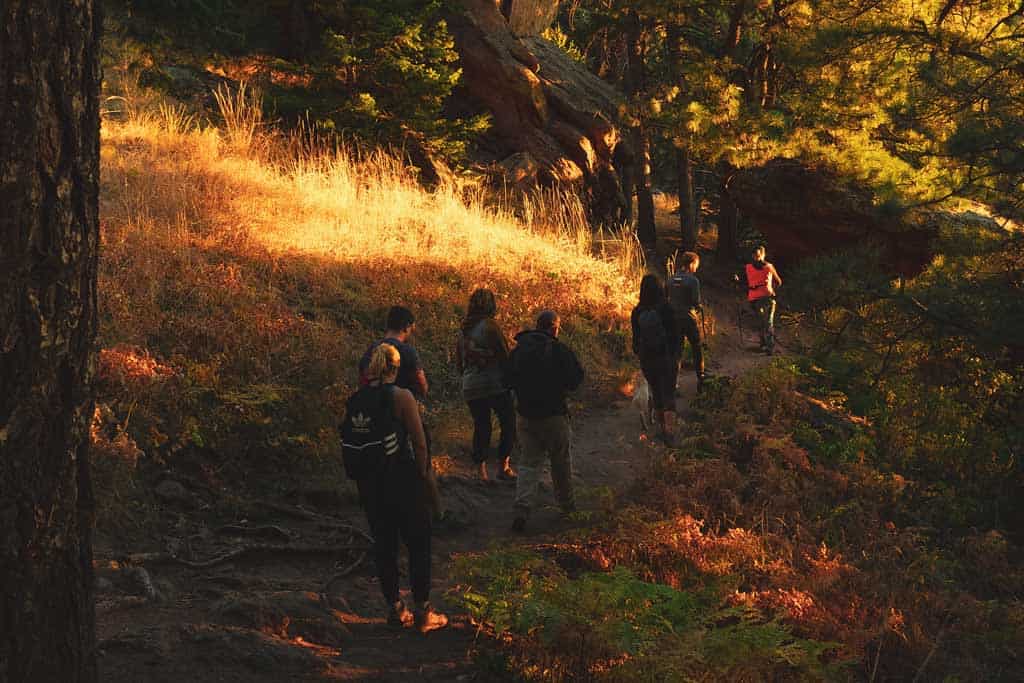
(542, 370)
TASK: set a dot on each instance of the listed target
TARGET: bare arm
(408, 412)
(421, 382)
(775, 274)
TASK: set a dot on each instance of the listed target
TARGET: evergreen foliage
(360, 68)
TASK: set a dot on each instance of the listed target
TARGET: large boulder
(805, 210)
(543, 104)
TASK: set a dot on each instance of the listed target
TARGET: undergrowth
(772, 537)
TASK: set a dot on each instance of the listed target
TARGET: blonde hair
(384, 361)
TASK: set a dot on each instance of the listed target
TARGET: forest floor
(274, 613)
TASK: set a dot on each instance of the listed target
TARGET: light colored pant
(543, 441)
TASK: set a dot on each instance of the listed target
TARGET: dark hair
(399, 318)
(753, 254)
(651, 291)
(481, 306)
(546, 320)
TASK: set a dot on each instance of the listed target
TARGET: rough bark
(733, 32)
(542, 104)
(728, 219)
(687, 201)
(49, 234)
(529, 17)
(636, 86)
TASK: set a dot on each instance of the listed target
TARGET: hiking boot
(427, 620)
(399, 615)
(519, 525)
(700, 383)
(507, 473)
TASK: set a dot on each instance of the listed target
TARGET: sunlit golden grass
(259, 268)
(367, 210)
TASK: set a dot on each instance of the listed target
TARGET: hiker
(657, 342)
(762, 279)
(400, 327)
(401, 324)
(481, 354)
(385, 451)
(542, 370)
(684, 297)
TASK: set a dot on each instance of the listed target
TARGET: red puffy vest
(759, 282)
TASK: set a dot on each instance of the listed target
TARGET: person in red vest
(762, 279)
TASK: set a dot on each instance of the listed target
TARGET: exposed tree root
(246, 551)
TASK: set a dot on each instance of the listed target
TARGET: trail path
(269, 616)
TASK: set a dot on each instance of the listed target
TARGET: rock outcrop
(554, 122)
(805, 210)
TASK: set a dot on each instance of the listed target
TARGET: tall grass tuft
(242, 112)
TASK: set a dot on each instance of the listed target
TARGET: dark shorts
(660, 374)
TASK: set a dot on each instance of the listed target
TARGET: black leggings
(481, 408)
(691, 331)
(396, 507)
(660, 374)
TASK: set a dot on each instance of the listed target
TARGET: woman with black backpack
(656, 342)
(385, 451)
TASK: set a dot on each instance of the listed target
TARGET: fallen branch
(323, 521)
(241, 530)
(343, 573)
(167, 558)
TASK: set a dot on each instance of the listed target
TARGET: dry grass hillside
(244, 272)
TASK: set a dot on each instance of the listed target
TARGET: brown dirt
(269, 616)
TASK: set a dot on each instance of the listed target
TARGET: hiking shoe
(507, 475)
(399, 615)
(519, 525)
(700, 383)
(427, 620)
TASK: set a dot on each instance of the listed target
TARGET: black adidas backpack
(369, 432)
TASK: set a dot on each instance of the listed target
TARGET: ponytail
(384, 361)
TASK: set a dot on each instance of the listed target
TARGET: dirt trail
(269, 616)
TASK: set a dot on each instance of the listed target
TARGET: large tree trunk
(733, 32)
(549, 111)
(684, 160)
(728, 219)
(49, 234)
(635, 87)
(687, 201)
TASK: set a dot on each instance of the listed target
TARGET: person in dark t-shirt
(400, 326)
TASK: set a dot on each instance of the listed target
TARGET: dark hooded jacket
(542, 370)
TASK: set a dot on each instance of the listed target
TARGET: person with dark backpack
(656, 342)
(385, 452)
(481, 354)
(542, 370)
(684, 297)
